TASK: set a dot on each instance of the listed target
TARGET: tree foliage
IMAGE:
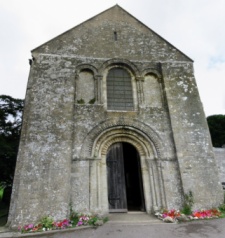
(10, 126)
(216, 125)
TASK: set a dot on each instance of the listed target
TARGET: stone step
(132, 218)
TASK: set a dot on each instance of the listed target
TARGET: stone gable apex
(114, 19)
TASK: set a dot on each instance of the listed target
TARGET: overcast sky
(196, 27)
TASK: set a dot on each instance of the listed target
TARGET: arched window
(119, 90)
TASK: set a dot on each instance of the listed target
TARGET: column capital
(140, 78)
(98, 76)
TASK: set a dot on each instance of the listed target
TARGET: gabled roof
(81, 39)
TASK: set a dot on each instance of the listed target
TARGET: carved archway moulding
(123, 62)
(119, 134)
(140, 135)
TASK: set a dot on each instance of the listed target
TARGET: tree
(216, 125)
(11, 110)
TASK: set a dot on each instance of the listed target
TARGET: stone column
(161, 183)
(94, 184)
(155, 206)
(76, 86)
(98, 89)
(140, 91)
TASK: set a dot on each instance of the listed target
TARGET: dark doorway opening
(125, 187)
(134, 185)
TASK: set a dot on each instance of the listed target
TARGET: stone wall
(220, 159)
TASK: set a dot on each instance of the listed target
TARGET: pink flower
(30, 226)
(80, 223)
(66, 222)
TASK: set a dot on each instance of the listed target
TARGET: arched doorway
(146, 143)
(125, 187)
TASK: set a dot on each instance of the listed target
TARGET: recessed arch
(130, 127)
(152, 89)
(146, 142)
(85, 86)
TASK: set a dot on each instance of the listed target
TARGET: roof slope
(113, 33)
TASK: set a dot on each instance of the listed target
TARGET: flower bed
(77, 219)
(176, 216)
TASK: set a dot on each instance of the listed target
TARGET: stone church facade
(113, 122)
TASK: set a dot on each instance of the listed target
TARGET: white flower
(168, 219)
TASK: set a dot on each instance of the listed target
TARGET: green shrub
(92, 101)
(1, 193)
(81, 101)
(186, 210)
(92, 221)
(74, 221)
(188, 203)
(222, 208)
(47, 222)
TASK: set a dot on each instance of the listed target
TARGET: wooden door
(116, 179)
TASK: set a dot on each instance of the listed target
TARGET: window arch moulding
(123, 63)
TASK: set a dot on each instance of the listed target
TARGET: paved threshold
(133, 218)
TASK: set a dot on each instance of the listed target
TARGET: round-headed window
(119, 90)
